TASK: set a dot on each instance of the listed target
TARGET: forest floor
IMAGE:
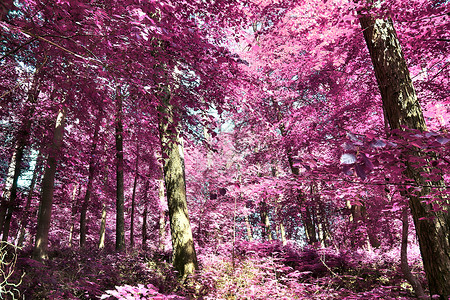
(258, 271)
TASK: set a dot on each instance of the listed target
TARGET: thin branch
(18, 48)
(442, 69)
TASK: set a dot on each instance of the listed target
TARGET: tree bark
(283, 233)
(402, 108)
(145, 213)
(133, 197)
(75, 204)
(184, 256)
(101, 240)
(120, 198)
(162, 217)
(40, 251)
(87, 196)
(102, 233)
(264, 213)
(144, 229)
(359, 218)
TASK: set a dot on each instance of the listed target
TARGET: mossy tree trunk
(184, 256)
(102, 235)
(40, 251)
(402, 108)
(162, 217)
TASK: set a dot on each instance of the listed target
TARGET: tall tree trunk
(120, 199)
(133, 208)
(102, 233)
(145, 213)
(404, 259)
(402, 108)
(87, 196)
(40, 251)
(101, 240)
(75, 205)
(265, 222)
(310, 226)
(162, 217)
(283, 233)
(26, 212)
(133, 197)
(144, 228)
(359, 218)
(184, 256)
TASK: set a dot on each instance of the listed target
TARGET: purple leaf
(347, 170)
(378, 144)
(360, 171)
(367, 163)
(442, 140)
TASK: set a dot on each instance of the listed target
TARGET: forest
(224, 149)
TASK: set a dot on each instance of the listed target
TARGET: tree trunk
(102, 233)
(249, 229)
(144, 229)
(402, 108)
(120, 199)
(283, 233)
(101, 240)
(404, 259)
(266, 231)
(26, 212)
(87, 196)
(145, 213)
(75, 204)
(45, 207)
(133, 197)
(162, 217)
(184, 256)
(359, 218)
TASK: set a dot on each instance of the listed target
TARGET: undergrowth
(258, 271)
